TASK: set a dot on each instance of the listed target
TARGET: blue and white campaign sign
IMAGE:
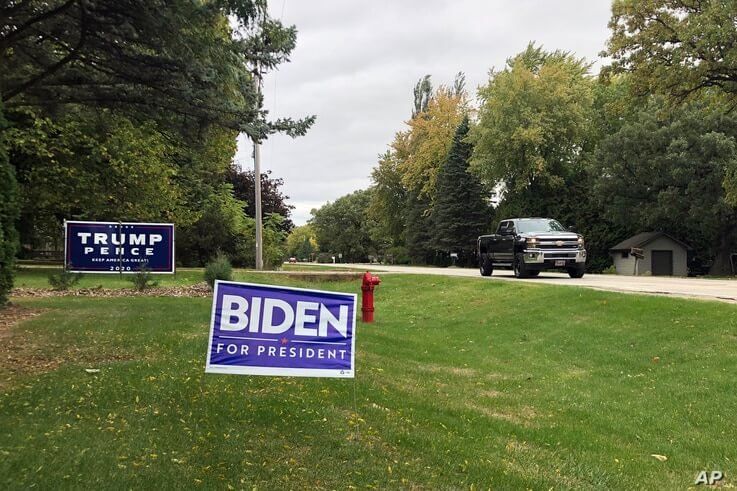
(277, 330)
(118, 247)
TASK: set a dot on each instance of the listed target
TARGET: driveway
(722, 290)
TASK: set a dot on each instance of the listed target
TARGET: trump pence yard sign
(118, 247)
(276, 330)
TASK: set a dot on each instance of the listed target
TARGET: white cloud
(356, 63)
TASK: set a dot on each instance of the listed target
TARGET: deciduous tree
(533, 121)
(423, 94)
(389, 199)
(302, 242)
(429, 139)
(665, 170)
(343, 227)
(272, 198)
(98, 166)
(675, 47)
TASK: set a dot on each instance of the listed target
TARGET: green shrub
(397, 255)
(610, 270)
(64, 280)
(143, 279)
(442, 259)
(218, 269)
(325, 258)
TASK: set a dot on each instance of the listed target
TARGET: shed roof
(644, 238)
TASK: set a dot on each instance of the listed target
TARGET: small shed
(663, 255)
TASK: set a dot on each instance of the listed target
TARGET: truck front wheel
(520, 268)
(577, 272)
(486, 267)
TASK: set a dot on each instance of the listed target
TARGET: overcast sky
(356, 63)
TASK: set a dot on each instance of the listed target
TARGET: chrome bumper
(539, 256)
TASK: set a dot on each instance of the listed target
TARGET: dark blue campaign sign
(276, 330)
(118, 247)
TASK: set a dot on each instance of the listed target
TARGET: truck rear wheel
(520, 268)
(486, 267)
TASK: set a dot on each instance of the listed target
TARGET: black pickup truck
(529, 245)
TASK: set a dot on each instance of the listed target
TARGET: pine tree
(8, 216)
(460, 211)
(418, 231)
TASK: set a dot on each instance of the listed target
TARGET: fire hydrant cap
(370, 280)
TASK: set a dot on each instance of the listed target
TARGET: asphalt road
(721, 290)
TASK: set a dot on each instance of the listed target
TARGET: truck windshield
(539, 225)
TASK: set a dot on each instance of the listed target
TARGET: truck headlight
(532, 242)
(580, 242)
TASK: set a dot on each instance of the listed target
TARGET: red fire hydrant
(367, 301)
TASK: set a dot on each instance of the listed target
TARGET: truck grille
(558, 244)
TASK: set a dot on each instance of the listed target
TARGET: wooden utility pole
(257, 189)
(257, 181)
(257, 185)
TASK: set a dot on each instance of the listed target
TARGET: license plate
(560, 262)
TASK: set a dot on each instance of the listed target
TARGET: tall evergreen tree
(460, 212)
(8, 216)
(181, 61)
(418, 229)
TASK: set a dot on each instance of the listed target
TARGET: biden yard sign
(276, 330)
(118, 247)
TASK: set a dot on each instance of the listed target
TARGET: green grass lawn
(38, 276)
(461, 383)
(319, 267)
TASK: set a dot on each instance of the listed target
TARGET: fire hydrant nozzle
(367, 301)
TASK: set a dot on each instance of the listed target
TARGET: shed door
(662, 263)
